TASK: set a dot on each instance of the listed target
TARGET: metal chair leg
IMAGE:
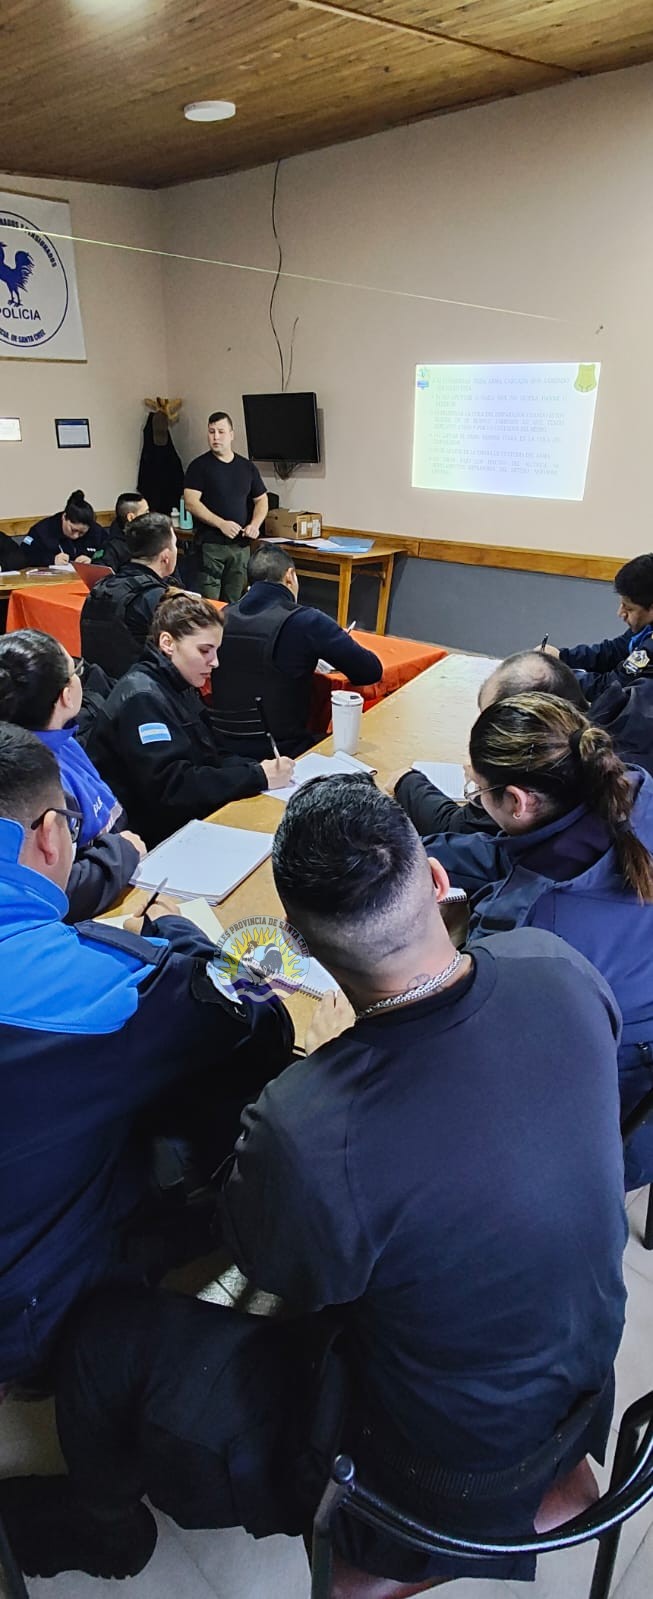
(334, 1495)
(14, 1578)
(606, 1555)
(648, 1225)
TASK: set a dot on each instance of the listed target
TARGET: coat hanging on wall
(160, 474)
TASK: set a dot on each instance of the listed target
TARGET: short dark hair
(123, 503)
(533, 671)
(220, 416)
(344, 858)
(180, 615)
(30, 780)
(148, 535)
(634, 581)
(79, 510)
(33, 672)
(268, 563)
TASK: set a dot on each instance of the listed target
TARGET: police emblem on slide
(34, 304)
(258, 957)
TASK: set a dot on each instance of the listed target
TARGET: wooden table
(429, 719)
(10, 582)
(379, 560)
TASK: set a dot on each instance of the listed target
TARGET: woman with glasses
(573, 855)
(41, 690)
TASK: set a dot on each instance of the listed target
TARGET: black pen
(544, 643)
(266, 727)
(152, 898)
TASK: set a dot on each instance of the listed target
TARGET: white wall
(540, 203)
(121, 298)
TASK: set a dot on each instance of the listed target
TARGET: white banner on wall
(40, 317)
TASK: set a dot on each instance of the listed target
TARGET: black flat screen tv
(282, 427)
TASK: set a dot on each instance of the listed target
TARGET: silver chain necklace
(415, 993)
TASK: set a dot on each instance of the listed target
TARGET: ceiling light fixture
(209, 110)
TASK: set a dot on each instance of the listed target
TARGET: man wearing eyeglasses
(98, 1027)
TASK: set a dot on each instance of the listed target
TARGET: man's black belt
(379, 1444)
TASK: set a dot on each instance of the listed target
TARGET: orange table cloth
(57, 611)
(53, 608)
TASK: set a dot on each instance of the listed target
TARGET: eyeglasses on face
(79, 667)
(73, 817)
(473, 793)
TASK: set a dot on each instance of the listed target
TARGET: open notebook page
(318, 766)
(445, 775)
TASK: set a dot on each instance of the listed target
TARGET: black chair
(629, 1125)
(631, 1487)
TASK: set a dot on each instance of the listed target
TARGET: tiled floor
(231, 1565)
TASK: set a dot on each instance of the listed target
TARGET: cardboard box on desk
(293, 524)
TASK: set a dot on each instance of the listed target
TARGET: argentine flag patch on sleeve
(154, 733)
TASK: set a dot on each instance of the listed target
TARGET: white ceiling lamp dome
(209, 110)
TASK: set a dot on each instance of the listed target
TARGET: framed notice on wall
(73, 433)
(40, 318)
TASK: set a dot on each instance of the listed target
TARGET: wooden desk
(11, 582)
(429, 718)
(379, 560)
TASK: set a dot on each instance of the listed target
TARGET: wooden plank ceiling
(94, 89)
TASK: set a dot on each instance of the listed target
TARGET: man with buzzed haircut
(228, 501)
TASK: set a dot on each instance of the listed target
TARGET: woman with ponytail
(70, 535)
(573, 857)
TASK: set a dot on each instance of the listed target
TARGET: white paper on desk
(319, 766)
(445, 775)
(203, 859)
(317, 980)
(197, 911)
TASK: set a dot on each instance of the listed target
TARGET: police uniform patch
(154, 733)
(636, 662)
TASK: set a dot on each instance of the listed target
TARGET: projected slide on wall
(519, 429)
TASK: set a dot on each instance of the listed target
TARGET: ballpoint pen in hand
(152, 898)
(544, 643)
(266, 727)
(351, 627)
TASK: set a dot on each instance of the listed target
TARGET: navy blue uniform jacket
(94, 1025)
(565, 877)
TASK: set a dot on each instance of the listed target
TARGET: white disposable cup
(347, 712)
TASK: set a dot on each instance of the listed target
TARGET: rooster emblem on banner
(15, 277)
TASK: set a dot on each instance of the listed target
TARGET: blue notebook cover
(350, 546)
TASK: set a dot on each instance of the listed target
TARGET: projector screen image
(519, 429)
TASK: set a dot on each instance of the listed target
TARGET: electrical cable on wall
(283, 469)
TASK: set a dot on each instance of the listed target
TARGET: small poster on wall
(40, 319)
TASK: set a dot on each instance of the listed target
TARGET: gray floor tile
(634, 1366)
(638, 1581)
(237, 1566)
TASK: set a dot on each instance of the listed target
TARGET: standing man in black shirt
(226, 497)
(445, 1172)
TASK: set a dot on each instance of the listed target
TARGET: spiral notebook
(203, 859)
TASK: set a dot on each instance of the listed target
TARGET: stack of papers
(445, 775)
(203, 859)
(197, 911)
(319, 766)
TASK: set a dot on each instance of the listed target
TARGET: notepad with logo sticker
(203, 859)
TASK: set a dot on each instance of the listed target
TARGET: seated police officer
(99, 1030)
(115, 551)
(446, 1174)
(271, 647)
(117, 614)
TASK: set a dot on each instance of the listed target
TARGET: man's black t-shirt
(451, 1175)
(228, 489)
